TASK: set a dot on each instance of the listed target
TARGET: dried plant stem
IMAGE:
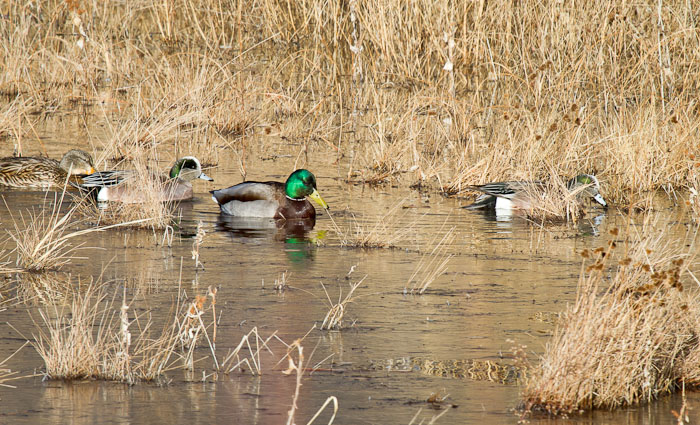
(432, 264)
(297, 368)
(336, 313)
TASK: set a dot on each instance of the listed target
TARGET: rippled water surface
(503, 286)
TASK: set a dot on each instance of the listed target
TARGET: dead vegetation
(389, 230)
(433, 262)
(693, 201)
(7, 374)
(442, 96)
(296, 367)
(43, 239)
(336, 312)
(632, 334)
(85, 337)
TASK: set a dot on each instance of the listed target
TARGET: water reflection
(505, 220)
(449, 340)
(253, 227)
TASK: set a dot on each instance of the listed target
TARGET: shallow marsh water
(504, 283)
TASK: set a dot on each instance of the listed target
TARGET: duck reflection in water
(263, 209)
(298, 245)
(255, 227)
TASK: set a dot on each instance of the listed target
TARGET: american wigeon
(512, 195)
(121, 185)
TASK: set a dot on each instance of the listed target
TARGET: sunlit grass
(43, 239)
(336, 312)
(405, 95)
(84, 338)
(388, 230)
(631, 334)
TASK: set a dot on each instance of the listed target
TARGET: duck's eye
(189, 164)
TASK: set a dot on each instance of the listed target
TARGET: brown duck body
(262, 199)
(31, 172)
(39, 172)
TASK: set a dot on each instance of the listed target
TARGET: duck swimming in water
(44, 173)
(272, 199)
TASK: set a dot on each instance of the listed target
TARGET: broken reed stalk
(433, 264)
(297, 368)
(6, 374)
(336, 313)
(198, 240)
(190, 328)
(253, 358)
(212, 293)
(631, 335)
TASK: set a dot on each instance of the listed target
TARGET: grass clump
(336, 312)
(629, 337)
(385, 231)
(85, 338)
(42, 240)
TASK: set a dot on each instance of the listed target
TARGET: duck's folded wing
(248, 192)
(507, 189)
(106, 178)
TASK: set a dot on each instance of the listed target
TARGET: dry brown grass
(84, 338)
(433, 263)
(7, 374)
(444, 95)
(389, 230)
(296, 366)
(43, 239)
(336, 312)
(553, 202)
(693, 201)
(631, 335)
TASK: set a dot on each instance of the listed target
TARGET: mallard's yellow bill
(316, 197)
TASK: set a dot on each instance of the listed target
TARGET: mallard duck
(511, 195)
(40, 172)
(122, 185)
(272, 199)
